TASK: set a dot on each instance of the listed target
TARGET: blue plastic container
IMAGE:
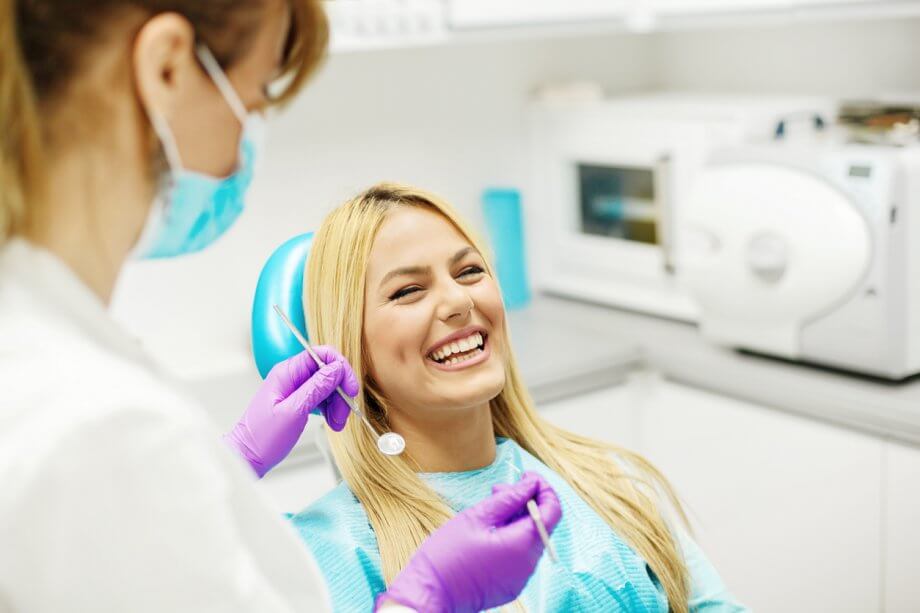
(505, 225)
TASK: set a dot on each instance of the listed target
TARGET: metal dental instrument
(389, 443)
(538, 520)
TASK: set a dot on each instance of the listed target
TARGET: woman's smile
(460, 350)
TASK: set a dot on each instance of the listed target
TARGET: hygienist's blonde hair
(402, 509)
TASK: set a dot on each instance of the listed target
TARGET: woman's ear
(164, 62)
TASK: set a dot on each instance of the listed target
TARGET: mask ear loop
(167, 141)
(223, 84)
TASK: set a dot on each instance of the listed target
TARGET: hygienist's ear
(164, 62)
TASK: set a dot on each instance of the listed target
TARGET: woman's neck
(461, 443)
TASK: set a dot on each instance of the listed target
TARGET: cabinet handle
(664, 195)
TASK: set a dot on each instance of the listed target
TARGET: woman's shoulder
(337, 507)
(340, 536)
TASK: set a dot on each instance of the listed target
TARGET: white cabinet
(611, 415)
(638, 14)
(788, 509)
(902, 523)
(365, 25)
(715, 7)
(379, 24)
(491, 13)
(698, 7)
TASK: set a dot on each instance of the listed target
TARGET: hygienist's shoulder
(59, 384)
(76, 382)
(338, 531)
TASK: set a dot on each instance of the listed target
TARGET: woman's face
(433, 318)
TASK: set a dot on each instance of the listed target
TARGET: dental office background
(803, 481)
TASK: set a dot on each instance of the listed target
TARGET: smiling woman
(398, 282)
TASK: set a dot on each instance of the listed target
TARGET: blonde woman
(398, 282)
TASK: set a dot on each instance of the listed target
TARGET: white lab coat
(116, 493)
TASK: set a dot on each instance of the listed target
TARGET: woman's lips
(457, 338)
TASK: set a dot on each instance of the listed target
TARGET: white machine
(609, 182)
(809, 252)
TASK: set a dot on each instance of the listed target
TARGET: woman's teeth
(460, 350)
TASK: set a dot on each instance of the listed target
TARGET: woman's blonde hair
(402, 509)
(44, 47)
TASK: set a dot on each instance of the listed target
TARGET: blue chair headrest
(281, 283)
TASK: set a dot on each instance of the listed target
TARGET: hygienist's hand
(483, 557)
(277, 415)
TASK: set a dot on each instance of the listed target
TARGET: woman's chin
(473, 391)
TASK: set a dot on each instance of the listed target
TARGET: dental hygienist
(116, 494)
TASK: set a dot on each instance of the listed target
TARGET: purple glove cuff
(232, 440)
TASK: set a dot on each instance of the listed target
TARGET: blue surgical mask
(192, 210)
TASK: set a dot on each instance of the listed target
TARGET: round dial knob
(767, 256)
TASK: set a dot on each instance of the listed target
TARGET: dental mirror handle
(348, 399)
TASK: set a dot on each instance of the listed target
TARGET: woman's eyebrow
(460, 255)
(406, 270)
(418, 270)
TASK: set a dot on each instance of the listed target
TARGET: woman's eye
(406, 291)
(471, 270)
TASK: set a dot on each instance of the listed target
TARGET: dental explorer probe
(534, 511)
(389, 443)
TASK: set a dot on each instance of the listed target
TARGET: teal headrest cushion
(281, 283)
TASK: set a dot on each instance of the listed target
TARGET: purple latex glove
(278, 413)
(483, 557)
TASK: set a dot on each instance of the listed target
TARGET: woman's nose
(455, 303)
